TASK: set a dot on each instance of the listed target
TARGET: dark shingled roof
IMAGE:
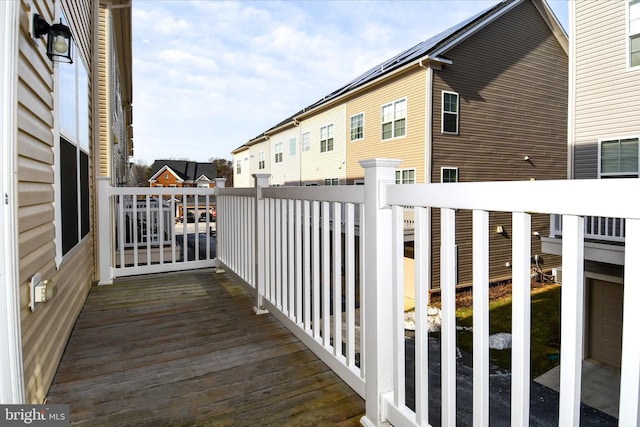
(186, 170)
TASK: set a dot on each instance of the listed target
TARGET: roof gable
(185, 170)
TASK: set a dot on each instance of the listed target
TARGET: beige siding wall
(288, 171)
(512, 81)
(315, 165)
(607, 98)
(410, 148)
(242, 179)
(45, 332)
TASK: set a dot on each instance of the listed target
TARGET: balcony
(336, 285)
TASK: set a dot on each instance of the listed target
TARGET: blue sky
(210, 75)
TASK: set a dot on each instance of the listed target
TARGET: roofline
(552, 21)
(165, 167)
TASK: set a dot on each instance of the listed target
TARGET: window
(634, 33)
(394, 119)
(331, 181)
(619, 158)
(159, 185)
(326, 138)
(292, 146)
(357, 127)
(449, 174)
(173, 186)
(278, 158)
(406, 176)
(306, 141)
(261, 162)
(449, 112)
(238, 167)
(72, 211)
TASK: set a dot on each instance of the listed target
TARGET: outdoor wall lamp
(58, 39)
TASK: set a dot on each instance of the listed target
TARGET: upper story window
(238, 166)
(619, 158)
(72, 171)
(394, 119)
(634, 33)
(278, 157)
(331, 181)
(261, 162)
(326, 138)
(293, 143)
(306, 141)
(450, 104)
(449, 174)
(406, 176)
(357, 127)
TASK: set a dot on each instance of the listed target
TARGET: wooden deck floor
(187, 349)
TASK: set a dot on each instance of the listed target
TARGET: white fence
(151, 230)
(339, 287)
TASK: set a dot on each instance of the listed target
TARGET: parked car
(212, 216)
(190, 216)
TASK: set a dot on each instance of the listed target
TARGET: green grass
(545, 328)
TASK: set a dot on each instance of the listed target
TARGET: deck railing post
(378, 285)
(105, 227)
(261, 180)
(220, 183)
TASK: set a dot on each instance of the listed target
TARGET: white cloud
(210, 75)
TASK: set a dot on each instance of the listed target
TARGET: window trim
(616, 174)
(293, 146)
(401, 172)
(330, 138)
(333, 182)
(239, 167)
(278, 155)
(351, 138)
(629, 34)
(261, 160)
(443, 168)
(393, 121)
(443, 112)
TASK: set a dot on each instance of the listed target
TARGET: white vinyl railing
(595, 227)
(151, 230)
(343, 297)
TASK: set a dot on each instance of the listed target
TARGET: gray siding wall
(512, 81)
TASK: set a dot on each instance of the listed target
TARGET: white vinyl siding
(394, 119)
(607, 93)
(618, 157)
(316, 165)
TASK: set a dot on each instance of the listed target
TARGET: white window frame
(261, 160)
(306, 142)
(449, 168)
(238, 167)
(74, 138)
(326, 138)
(456, 113)
(361, 127)
(400, 178)
(394, 117)
(278, 153)
(632, 30)
(331, 181)
(616, 174)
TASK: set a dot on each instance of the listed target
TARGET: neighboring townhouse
(604, 133)
(62, 125)
(242, 172)
(485, 100)
(185, 173)
(182, 173)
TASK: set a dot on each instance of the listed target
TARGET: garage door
(605, 325)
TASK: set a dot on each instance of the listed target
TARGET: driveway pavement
(544, 401)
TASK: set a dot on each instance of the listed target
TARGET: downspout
(11, 359)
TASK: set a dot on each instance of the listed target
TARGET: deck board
(187, 349)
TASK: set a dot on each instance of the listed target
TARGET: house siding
(511, 78)
(607, 93)
(315, 165)
(288, 171)
(409, 148)
(45, 332)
